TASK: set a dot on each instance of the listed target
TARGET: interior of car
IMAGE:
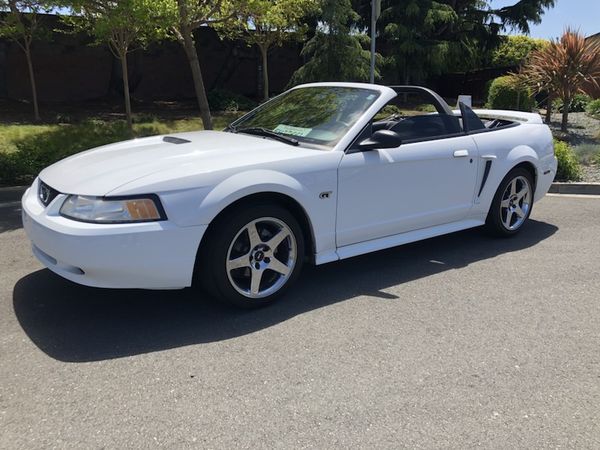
(419, 114)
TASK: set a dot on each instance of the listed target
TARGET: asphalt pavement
(460, 341)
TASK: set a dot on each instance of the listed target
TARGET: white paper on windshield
(292, 131)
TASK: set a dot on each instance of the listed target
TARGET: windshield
(319, 115)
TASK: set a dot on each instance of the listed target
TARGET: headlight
(145, 208)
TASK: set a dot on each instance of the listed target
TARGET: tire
(247, 268)
(512, 203)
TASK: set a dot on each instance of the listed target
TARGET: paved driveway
(456, 342)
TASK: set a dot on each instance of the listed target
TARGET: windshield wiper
(259, 131)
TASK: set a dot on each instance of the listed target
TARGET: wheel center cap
(259, 256)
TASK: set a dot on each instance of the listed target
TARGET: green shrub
(224, 100)
(425, 107)
(569, 168)
(143, 118)
(579, 103)
(387, 111)
(513, 50)
(593, 108)
(7, 169)
(506, 93)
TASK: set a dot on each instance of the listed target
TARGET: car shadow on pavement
(74, 323)
(10, 216)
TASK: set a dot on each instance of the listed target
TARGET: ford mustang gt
(322, 172)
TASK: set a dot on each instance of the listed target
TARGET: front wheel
(512, 203)
(253, 255)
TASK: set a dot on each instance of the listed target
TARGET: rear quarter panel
(526, 142)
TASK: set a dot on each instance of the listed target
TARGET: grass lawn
(25, 149)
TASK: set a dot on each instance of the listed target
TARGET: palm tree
(567, 66)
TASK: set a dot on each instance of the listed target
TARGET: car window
(414, 116)
(319, 115)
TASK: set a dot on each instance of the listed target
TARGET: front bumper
(153, 255)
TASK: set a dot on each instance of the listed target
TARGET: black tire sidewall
(220, 238)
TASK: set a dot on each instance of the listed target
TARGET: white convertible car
(322, 172)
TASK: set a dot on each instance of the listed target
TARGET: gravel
(583, 131)
(591, 173)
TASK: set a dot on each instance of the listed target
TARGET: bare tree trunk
(192, 55)
(565, 114)
(549, 109)
(123, 58)
(36, 109)
(187, 40)
(190, 50)
(265, 71)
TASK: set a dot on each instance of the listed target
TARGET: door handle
(461, 153)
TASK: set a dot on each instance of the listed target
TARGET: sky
(580, 14)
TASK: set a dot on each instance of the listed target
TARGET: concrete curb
(575, 188)
(12, 194)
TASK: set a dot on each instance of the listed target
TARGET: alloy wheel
(515, 203)
(261, 257)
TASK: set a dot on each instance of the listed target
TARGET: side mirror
(381, 139)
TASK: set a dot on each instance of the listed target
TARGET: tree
(21, 24)
(410, 28)
(270, 23)
(565, 67)
(122, 24)
(427, 37)
(336, 51)
(189, 15)
(514, 50)
(517, 16)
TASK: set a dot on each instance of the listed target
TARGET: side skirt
(374, 245)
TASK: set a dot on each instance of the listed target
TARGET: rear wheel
(512, 203)
(253, 255)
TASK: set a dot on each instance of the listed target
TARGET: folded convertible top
(519, 116)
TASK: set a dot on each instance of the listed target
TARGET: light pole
(375, 11)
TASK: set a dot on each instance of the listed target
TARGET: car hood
(99, 171)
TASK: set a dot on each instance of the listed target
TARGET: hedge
(506, 93)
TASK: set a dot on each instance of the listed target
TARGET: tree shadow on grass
(74, 323)
(37, 151)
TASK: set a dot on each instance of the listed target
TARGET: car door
(420, 184)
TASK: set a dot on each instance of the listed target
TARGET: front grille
(46, 194)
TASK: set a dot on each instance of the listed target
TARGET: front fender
(303, 189)
(247, 183)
